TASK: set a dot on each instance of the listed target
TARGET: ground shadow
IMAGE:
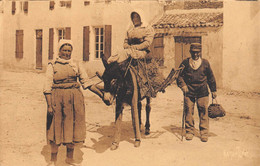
(179, 133)
(46, 152)
(127, 134)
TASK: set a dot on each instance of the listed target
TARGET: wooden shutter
(86, 43)
(68, 4)
(182, 47)
(158, 49)
(86, 3)
(13, 8)
(108, 41)
(52, 3)
(68, 33)
(51, 34)
(39, 49)
(25, 7)
(19, 44)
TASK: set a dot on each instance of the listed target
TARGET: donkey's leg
(134, 111)
(148, 110)
(118, 121)
(140, 114)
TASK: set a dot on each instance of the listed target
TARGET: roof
(186, 20)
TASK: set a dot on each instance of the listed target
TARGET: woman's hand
(49, 104)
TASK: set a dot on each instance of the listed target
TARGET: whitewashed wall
(39, 16)
(241, 46)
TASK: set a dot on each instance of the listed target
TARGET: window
(66, 4)
(25, 7)
(61, 33)
(19, 44)
(99, 42)
(64, 33)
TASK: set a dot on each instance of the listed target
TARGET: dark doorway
(182, 47)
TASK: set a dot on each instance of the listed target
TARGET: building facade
(228, 31)
(189, 22)
(32, 30)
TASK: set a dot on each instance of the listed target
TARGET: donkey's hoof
(137, 143)
(114, 146)
(147, 131)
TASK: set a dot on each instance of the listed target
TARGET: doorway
(182, 47)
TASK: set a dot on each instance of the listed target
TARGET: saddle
(149, 79)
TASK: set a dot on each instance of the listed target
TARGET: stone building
(187, 22)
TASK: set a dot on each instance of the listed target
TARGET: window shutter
(19, 44)
(25, 7)
(51, 44)
(157, 52)
(13, 8)
(158, 42)
(86, 3)
(86, 43)
(39, 49)
(52, 3)
(68, 4)
(68, 33)
(108, 43)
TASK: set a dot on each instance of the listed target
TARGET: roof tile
(190, 20)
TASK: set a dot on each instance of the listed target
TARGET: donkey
(121, 82)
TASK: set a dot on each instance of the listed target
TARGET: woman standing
(65, 102)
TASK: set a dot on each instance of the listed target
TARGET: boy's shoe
(204, 138)
(189, 136)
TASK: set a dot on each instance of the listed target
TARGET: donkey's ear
(104, 61)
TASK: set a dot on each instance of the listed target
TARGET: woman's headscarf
(140, 12)
(63, 42)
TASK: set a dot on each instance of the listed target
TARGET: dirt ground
(234, 139)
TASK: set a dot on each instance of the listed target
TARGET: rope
(129, 64)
